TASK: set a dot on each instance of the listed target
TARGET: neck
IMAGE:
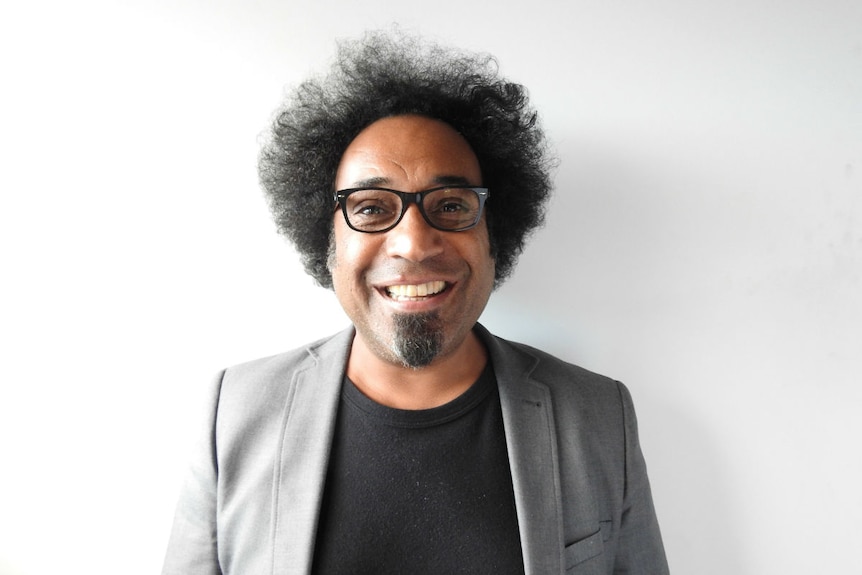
(401, 387)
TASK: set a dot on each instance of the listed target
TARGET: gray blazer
(251, 501)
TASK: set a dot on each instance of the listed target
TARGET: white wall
(704, 246)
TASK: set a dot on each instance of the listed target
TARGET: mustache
(389, 270)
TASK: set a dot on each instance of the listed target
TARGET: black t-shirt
(419, 492)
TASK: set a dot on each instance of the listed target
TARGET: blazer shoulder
(548, 363)
(544, 367)
(261, 385)
(275, 367)
(574, 389)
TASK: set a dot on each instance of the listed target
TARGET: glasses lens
(452, 208)
(372, 210)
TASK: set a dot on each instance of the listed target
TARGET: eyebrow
(379, 181)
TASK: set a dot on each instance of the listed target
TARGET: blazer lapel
(529, 425)
(308, 427)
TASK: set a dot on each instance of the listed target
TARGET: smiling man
(414, 291)
(414, 441)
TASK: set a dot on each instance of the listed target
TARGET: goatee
(418, 338)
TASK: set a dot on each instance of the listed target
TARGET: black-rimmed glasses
(447, 208)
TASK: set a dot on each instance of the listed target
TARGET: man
(414, 442)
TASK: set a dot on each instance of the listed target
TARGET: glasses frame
(417, 198)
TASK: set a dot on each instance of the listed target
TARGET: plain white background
(704, 245)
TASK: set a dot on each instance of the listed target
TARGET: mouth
(415, 292)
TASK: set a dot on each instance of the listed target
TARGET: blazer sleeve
(192, 548)
(640, 547)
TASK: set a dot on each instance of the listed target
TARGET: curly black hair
(390, 74)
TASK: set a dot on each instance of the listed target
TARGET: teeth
(415, 290)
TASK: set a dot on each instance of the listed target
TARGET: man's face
(379, 277)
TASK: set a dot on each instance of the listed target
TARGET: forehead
(409, 152)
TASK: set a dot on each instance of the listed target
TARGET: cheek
(349, 255)
(336, 261)
(482, 259)
(485, 248)
(489, 272)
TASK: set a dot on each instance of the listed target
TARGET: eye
(369, 210)
(372, 205)
(451, 202)
(452, 206)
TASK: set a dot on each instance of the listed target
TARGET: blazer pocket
(587, 548)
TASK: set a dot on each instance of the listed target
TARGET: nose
(413, 239)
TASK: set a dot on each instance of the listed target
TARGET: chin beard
(418, 338)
